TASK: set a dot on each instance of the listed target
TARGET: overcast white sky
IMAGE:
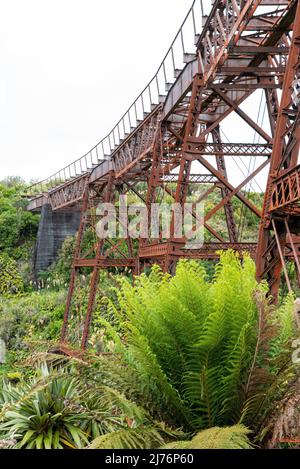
(69, 69)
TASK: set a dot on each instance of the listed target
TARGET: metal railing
(154, 93)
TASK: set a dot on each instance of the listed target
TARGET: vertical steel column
(153, 179)
(284, 157)
(231, 227)
(74, 269)
(96, 271)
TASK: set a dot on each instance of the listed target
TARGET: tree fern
(190, 346)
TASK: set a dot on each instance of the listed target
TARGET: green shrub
(17, 226)
(198, 354)
(11, 282)
(35, 316)
(235, 437)
(57, 410)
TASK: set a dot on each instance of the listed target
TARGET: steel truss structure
(241, 47)
(280, 224)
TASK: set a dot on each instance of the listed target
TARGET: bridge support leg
(280, 218)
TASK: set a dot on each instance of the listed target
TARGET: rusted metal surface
(280, 212)
(221, 165)
(207, 251)
(193, 179)
(69, 193)
(233, 149)
(137, 147)
(286, 191)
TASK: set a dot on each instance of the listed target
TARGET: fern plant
(190, 349)
(235, 437)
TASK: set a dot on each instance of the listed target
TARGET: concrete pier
(53, 229)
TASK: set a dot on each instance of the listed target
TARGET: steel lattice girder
(286, 190)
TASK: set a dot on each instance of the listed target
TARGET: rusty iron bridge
(175, 137)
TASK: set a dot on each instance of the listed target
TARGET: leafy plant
(10, 280)
(38, 416)
(143, 437)
(17, 226)
(190, 351)
(235, 437)
(35, 316)
(57, 409)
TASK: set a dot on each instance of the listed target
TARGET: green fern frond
(110, 398)
(193, 351)
(235, 437)
(141, 438)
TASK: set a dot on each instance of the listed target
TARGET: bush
(35, 316)
(17, 226)
(11, 282)
(199, 354)
(235, 437)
